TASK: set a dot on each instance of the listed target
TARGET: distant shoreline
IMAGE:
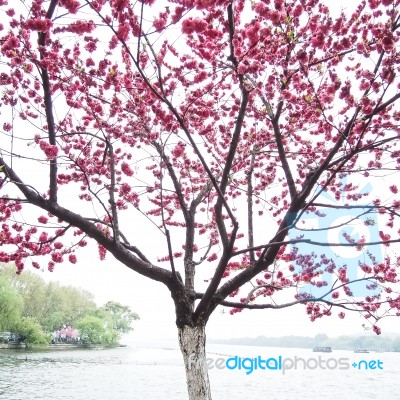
(52, 347)
(390, 342)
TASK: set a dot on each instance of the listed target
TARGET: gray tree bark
(192, 341)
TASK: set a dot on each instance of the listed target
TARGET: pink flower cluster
(38, 24)
(71, 5)
(81, 27)
(50, 150)
(192, 25)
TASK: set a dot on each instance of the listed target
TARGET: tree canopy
(24, 310)
(11, 304)
(254, 137)
(121, 317)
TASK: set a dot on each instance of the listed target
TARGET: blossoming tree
(226, 126)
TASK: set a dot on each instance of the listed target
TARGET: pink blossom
(102, 252)
(90, 47)
(42, 219)
(374, 3)
(384, 236)
(125, 189)
(40, 25)
(71, 5)
(81, 27)
(7, 126)
(192, 25)
(376, 329)
(252, 32)
(50, 266)
(204, 3)
(388, 43)
(43, 237)
(50, 150)
(212, 257)
(297, 10)
(393, 189)
(276, 16)
(123, 31)
(159, 23)
(126, 169)
(318, 40)
(11, 43)
(177, 14)
(178, 150)
(57, 257)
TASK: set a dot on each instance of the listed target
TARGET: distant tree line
(373, 342)
(34, 309)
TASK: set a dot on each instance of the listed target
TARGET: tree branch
(314, 243)
(116, 249)
(250, 222)
(175, 181)
(282, 153)
(202, 308)
(114, 211)
(48, 106)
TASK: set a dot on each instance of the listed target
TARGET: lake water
(156, 372)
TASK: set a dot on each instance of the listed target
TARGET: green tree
(121, 316)
(32, 332)
(93, 331)
(50, 304)
(107, 324)
(66, 305)
(31, 287)
(11, 305)
(53, 321)
(32, 307)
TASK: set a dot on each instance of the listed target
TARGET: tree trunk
(192, 341)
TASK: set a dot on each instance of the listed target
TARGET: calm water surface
(152, 373)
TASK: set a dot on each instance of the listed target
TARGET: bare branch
(228, 167)
(315, 243)
(250, 222)
(175, 181)
(202, 308)
(114, 211)
(282, 153)
(48, 105)
(171, 254)
(205, 254)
